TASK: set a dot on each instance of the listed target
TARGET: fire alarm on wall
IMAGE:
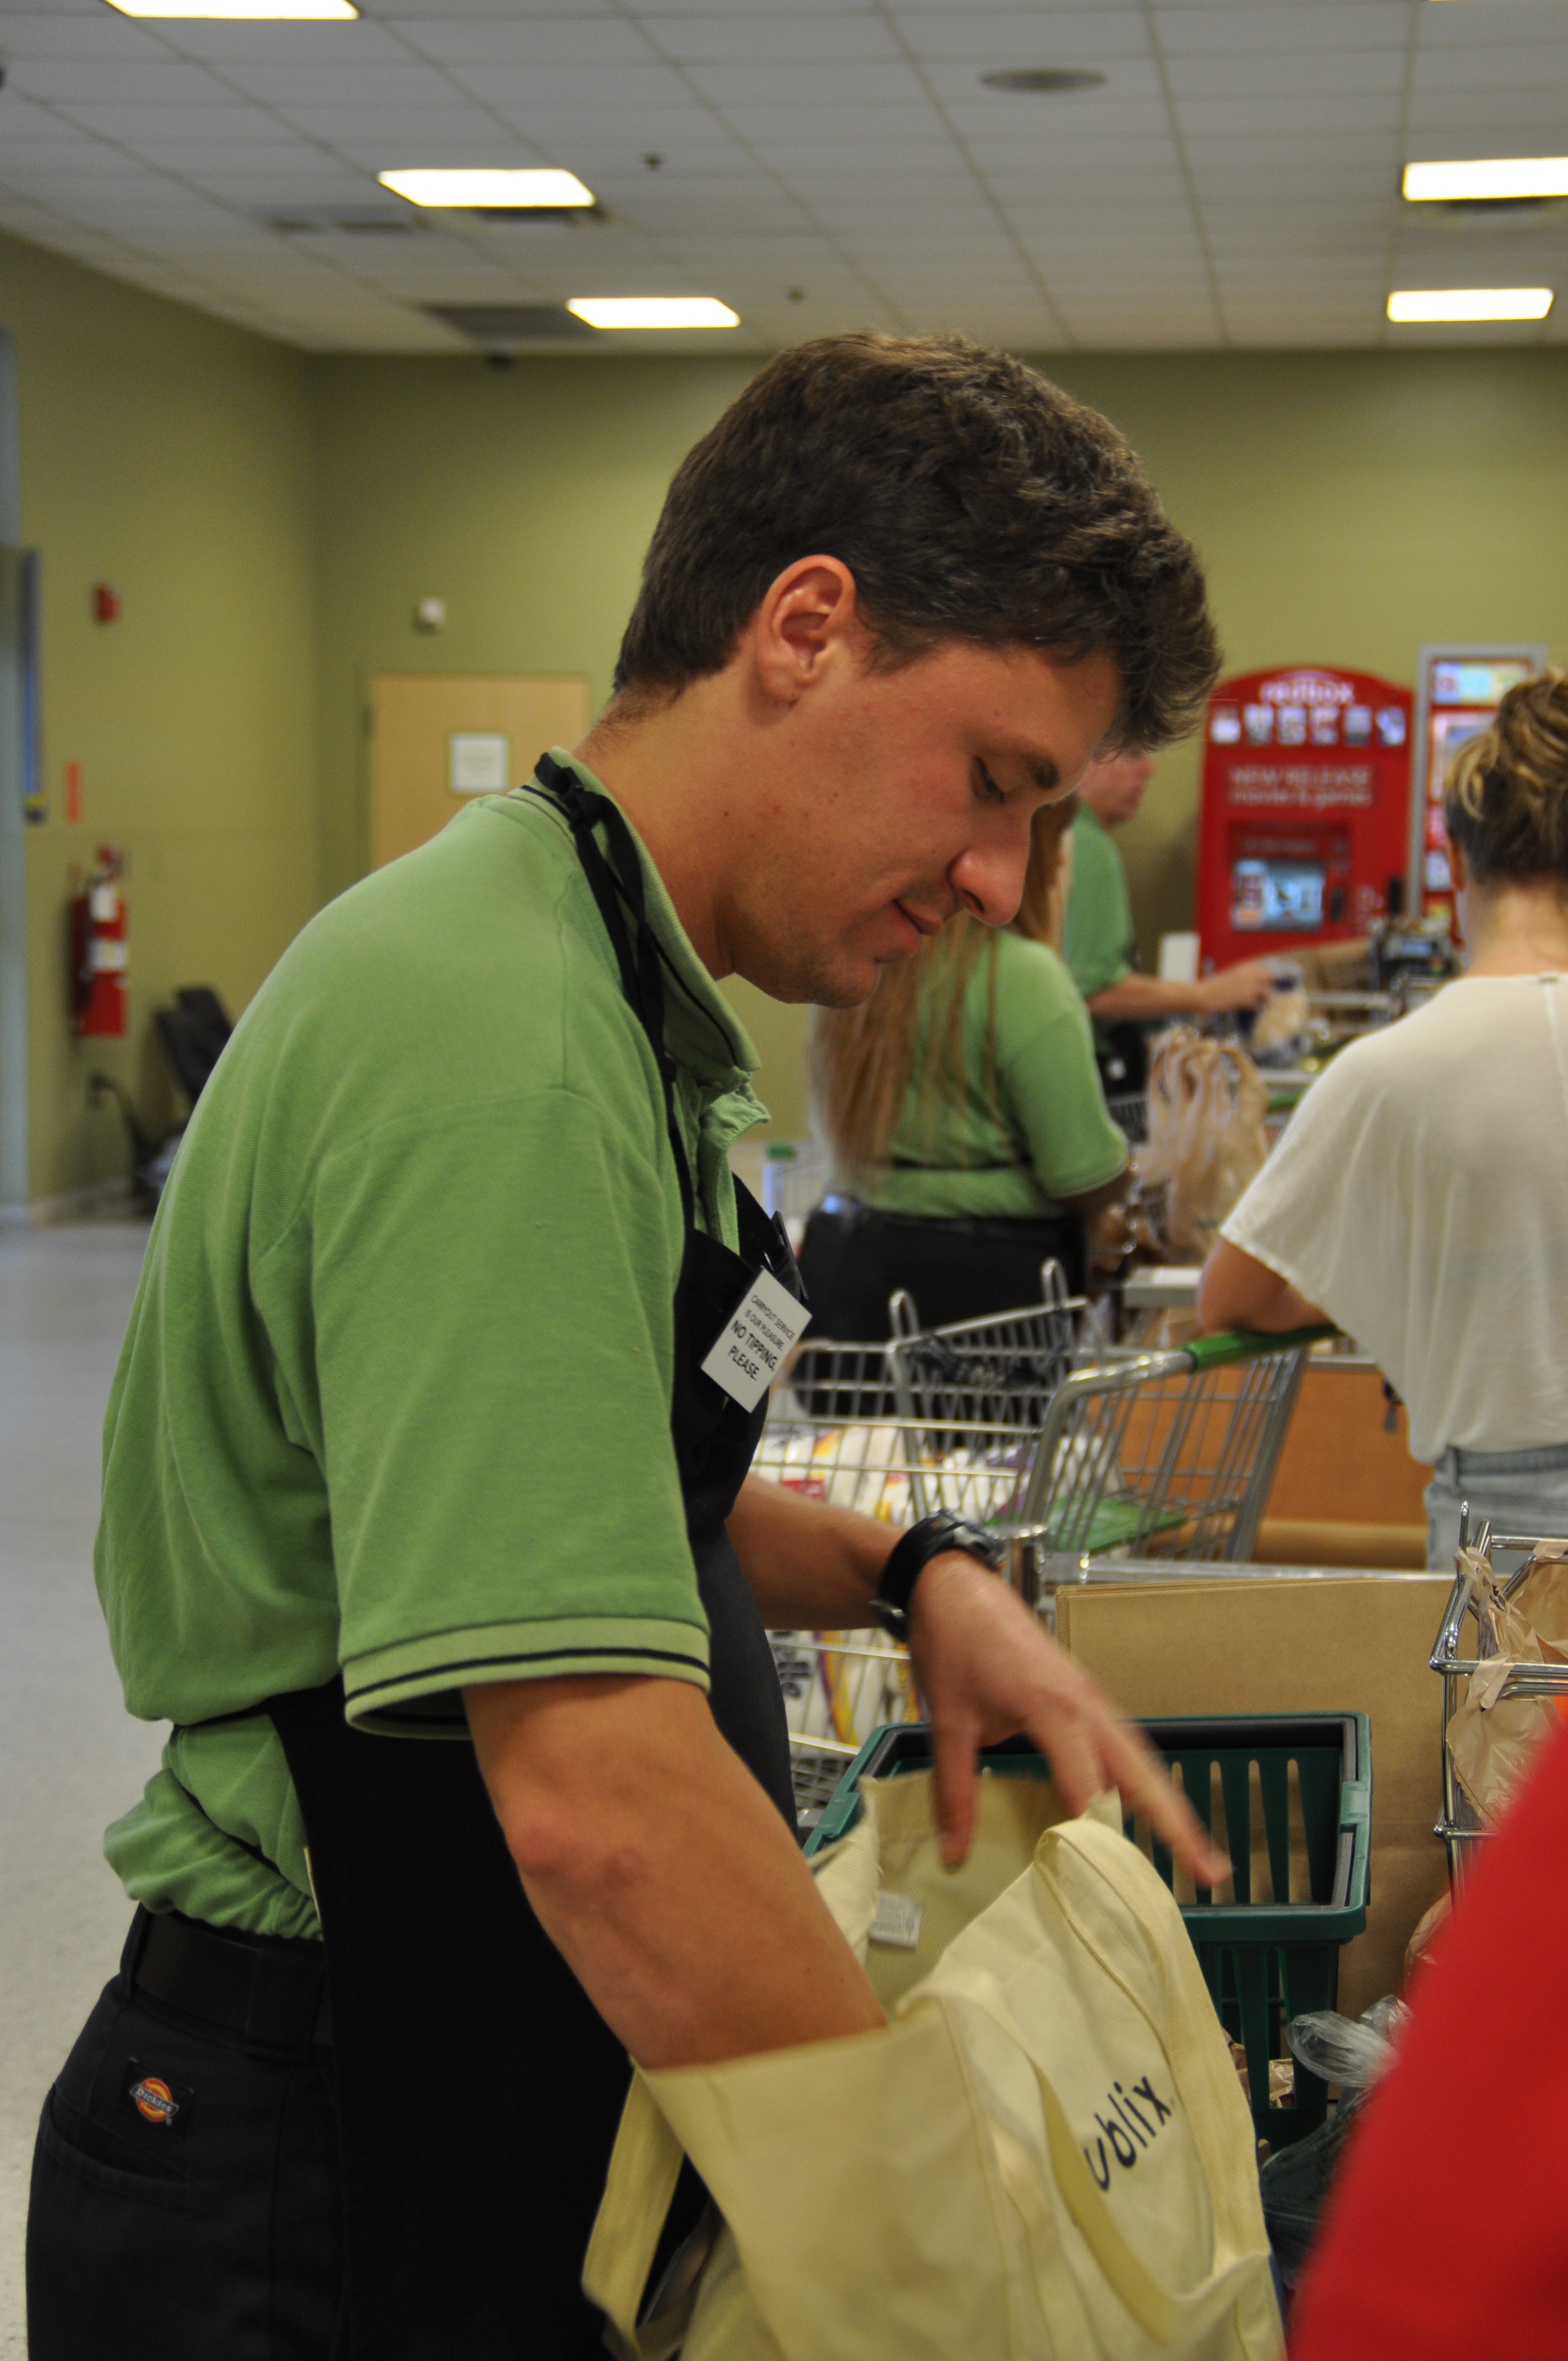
(105, 604)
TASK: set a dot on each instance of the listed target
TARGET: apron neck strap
(616, 887)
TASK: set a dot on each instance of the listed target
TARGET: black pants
(960, 1269)
(212, 2235)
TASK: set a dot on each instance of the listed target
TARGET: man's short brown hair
(970, 499)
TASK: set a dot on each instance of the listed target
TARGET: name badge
(752, 1343)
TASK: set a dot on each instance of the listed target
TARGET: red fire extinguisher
(98, 950)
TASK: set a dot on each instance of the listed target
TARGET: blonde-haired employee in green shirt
(1097, 931)
(426, 1516)
(965, 1122)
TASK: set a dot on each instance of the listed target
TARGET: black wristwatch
(913, 1551)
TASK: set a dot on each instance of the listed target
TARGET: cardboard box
(1299, 1643)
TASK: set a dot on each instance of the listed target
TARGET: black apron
(479, 2090)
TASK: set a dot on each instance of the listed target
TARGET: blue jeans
(1520, 1492)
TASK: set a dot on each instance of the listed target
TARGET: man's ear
(805, 625)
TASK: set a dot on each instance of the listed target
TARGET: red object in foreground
(1447, 2236)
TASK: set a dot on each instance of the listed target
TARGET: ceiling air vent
(510, 327)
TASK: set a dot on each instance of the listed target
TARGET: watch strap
(913, 1551)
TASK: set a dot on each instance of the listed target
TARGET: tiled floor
(70, 1757)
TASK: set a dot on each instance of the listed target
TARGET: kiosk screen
(1284, 894)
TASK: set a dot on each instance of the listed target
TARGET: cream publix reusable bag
(1047, 2156)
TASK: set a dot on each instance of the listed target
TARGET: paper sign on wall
(478, 761)
(752, 1343)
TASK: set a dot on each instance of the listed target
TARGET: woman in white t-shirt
(1419, 1196)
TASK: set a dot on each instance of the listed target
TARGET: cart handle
(1251, 1345)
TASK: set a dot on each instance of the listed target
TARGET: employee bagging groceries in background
(427, 1428)
(1097, 932)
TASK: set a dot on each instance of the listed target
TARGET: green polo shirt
(395, 1396)
(1098, 940)
(1041, 1134)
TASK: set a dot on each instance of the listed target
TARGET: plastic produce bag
(1047, 2157)
(1281, 1031)
(1491, 1740)
(1206, 1139)
(1352, 2052)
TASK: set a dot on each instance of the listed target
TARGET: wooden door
(438, 738)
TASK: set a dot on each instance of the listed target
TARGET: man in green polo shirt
(1097, 942)
(426, 1516)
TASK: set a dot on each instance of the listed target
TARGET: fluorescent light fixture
(1498, 176)
(1471, 303)
(236, 10)
(501, 190)
(653, 311)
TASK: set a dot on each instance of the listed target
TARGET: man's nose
(988, 878)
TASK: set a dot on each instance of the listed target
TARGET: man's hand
(987, 1669)
(1246, 985)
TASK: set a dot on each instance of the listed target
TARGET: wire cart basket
(1462, 1826)
(1164, 1454)
(1167, 1454)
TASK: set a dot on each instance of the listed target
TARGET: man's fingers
(954, 1746)
(1075, 1759)
(1145, 1784)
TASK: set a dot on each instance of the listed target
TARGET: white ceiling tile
(1524, 68)
(289, 42)
(171, 81)
(403, 85)
(1101, 119)
(1485, 122)
(1344, 73)
(1489, 23)
(1345, 26)
(780, 36)
(613, 84)
(1018, 36)
(527, 40)
(241, 125)
(25, 122)
(1379, 113)
(103, 34)
(807, 84)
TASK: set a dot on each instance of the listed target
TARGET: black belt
(996, 1229)
(272, 1989)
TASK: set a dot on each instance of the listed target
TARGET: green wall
(525, 498)
(271, 520)
(1348, 506)
(173, 458)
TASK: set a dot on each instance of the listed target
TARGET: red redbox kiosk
(1305, 803)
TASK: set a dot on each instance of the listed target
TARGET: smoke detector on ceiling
(1028, 80)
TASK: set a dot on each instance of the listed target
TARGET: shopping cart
(1130, 1113)
(1461, 1825)
(1000, 1371)
(1168, 1455)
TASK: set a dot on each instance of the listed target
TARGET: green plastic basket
(1264, 1961)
